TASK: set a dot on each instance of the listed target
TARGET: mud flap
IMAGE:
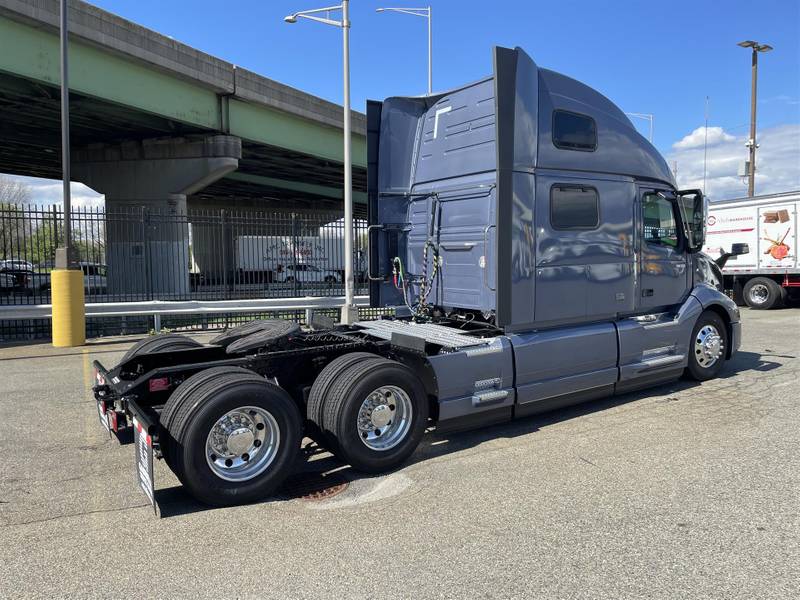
(143, 443)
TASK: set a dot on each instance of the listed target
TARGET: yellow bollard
(69, 311)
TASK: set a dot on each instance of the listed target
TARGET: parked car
(15, 265)
(17, 279)
(9, 284)
(94, 278)
(306, 274)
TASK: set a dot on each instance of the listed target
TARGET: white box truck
(768, 275)
(282, 258)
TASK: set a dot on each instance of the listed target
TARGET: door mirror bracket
(691, 204)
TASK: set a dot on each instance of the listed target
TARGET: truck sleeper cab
(537, 254)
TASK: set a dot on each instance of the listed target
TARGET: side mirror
(736, 250)
(739, 249)
(693, 214)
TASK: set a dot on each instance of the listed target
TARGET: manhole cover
(313, 486)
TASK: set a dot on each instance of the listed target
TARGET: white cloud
(697, 138)
(50, 191)
(777, 162)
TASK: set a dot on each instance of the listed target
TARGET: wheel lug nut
(228, 462)
(391, 407)
(213, 457)
(259, 426)
(377, 432)
(364, 434)
(245, 457)
(256, 443)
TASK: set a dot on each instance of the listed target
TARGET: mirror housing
(736, 250)
(739, 249)
(692, 207)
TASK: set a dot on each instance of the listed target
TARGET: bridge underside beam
(33, 53)
(30, 145)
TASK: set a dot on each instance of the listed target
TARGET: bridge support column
(145, 184)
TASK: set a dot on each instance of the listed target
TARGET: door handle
(455, 246)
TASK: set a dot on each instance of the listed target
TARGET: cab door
(663, 260)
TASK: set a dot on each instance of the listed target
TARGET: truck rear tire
(235, 438)
(164, 342)
(762, 293)
(376, 412)
(708, 347)
(178, 397)
(322, 384)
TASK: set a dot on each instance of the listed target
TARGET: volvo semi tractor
(537, 254)
(768, 274)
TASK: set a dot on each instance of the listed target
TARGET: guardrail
(157, 308)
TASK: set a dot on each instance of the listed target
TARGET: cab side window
(574, 207)
(573, 131)
(658, 218)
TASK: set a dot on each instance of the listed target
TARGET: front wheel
(707, 347)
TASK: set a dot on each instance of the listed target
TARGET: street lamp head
(290, 18)
(763, 48)
(748, 44)
(379, 9)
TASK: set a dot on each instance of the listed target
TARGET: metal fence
(147, 254)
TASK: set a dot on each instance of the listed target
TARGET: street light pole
(347, 316)
(68, 321)
(647, 116)
(751, 143)
(428, 14)
(349, 312)
(65, 255)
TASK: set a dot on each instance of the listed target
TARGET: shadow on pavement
(314, 478)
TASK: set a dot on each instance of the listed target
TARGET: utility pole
(64, 254)
(705, 150)
(751, 143)
(349, 310)
(426, 12)
(68, 321)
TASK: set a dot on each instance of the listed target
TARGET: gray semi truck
(537, 253)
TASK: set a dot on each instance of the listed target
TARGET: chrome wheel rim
(708, 346)
(242, 443)
(759, 293)
(384, 418)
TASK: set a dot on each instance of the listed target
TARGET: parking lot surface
(681, 491)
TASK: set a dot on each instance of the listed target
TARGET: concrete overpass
(134, 89)
(157, 123)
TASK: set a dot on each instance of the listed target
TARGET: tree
(13, 191)
(13, 194)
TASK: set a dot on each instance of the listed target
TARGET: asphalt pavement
(681, 491)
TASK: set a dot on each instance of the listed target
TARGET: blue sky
(662, 58)
(651, 57)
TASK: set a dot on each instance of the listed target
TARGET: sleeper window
(659, 223)
(574, 208)
(572, 131)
